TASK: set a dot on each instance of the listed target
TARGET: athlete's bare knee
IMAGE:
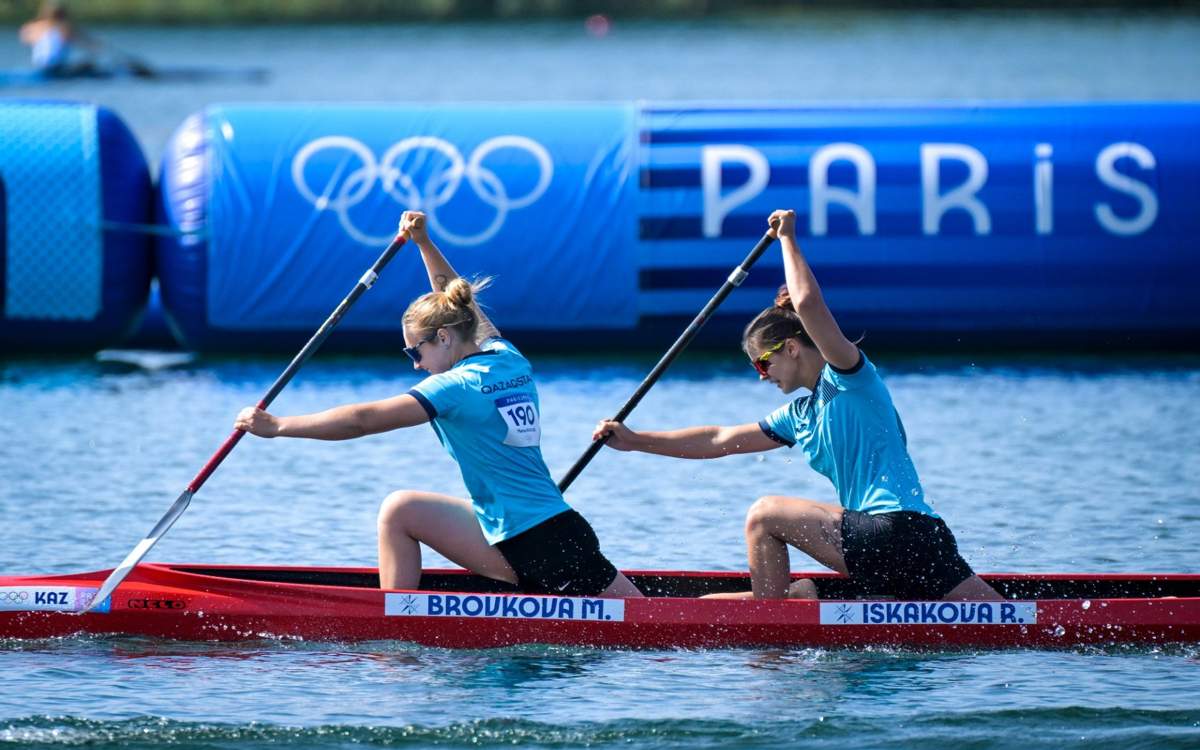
(805, 588)
(973, 589)
(762, 516)
(622, 588)
(395, 508)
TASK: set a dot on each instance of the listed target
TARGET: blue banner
(930, 218)
(303, 199)
(1030, 223)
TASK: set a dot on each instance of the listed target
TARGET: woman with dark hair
(54, 41)
(882, 533)
(481, 399)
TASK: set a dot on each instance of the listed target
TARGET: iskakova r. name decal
(928, 613)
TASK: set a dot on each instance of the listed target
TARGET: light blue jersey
(850, 431)
(485, 412)
(51, 50)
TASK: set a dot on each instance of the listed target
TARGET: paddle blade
(133, 558)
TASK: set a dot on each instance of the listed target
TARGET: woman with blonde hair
(882, 533)
(482, 402)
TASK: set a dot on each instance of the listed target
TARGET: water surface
(1046, 464)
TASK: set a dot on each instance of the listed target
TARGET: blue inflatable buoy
(75, 263)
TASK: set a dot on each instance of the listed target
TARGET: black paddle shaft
(314, 343)
(735, 279)
(366, 282)
(181, 503)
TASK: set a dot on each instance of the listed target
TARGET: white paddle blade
(133, 558)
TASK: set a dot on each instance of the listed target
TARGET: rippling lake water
(1053, 463)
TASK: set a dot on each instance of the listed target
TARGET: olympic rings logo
(342, 192)
(14, 596)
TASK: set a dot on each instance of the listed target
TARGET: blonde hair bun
(453, 308)
(460, 293)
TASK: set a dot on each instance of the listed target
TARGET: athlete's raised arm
(689, 442)
(806, 297)
(412, 224)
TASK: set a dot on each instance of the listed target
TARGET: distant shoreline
(365, 11)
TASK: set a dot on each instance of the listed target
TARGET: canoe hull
(173, 602)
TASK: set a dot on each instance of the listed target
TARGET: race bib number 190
(521, 416)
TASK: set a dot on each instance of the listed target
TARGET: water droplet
(1059, 631)
(884, 479)
(1087, 603)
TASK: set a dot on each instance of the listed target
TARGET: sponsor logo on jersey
(506, 385)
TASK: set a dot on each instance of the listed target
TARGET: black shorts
(559, 556)
(903, 554)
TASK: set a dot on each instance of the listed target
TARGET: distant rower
(54, 38)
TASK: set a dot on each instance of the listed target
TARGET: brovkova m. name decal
(505, 606)
(928, 613)
(48, 599)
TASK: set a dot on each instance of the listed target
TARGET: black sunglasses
(414, 352)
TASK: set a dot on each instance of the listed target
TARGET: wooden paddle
(735, 279)
(180, 505)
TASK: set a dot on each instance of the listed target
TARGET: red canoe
(458, 610)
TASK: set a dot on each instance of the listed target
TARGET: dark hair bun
(782, 298)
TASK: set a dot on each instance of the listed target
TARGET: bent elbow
(361, 426)
(809, 299)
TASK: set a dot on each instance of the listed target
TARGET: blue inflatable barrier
(1023, 223)
(74, 198)
(932, 223)
(152, 331)
(280, 209)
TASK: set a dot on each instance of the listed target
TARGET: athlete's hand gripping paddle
(735, 279)
(133, 558)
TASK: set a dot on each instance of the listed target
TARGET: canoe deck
(456, 609)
